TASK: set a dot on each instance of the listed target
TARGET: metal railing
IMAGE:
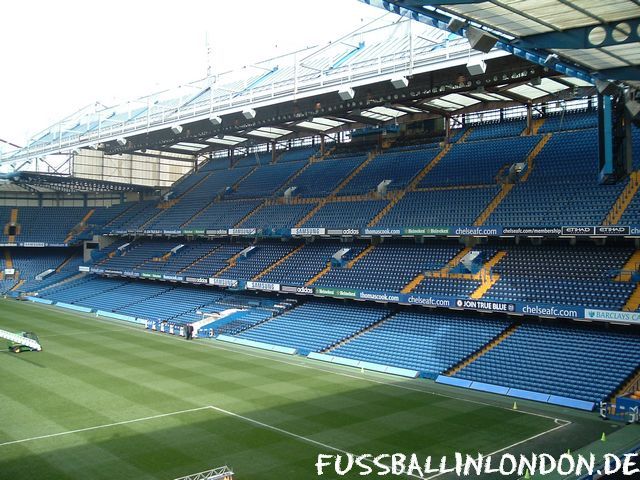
(220, 101)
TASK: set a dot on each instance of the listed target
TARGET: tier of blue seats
(506, 128)
(195, 199)
(390, 266)
(439, 208)
(569, 361)
(277, 216)
(150, 300)
(259, 259)
(104, 215)
(314, 326)
(222, 214)
(242, 321)
(346, 214)
(139, 254)
(303, 264)
(448, 287)
(34, 261)
(429, 343)
(5, 217)
(478, 163)
(253, 159)
(297, 154)
(399, 167)
(212, 263)
(563, 187)
(631, 215)
(322, 177)
(136, 216)
(266, 180)
(48, 224)
(561, 121)
(563, 275)
(580, 275)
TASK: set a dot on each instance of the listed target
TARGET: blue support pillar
(605, 139)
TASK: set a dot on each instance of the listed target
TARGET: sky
(58, 57)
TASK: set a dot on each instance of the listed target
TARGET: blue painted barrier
(456, 382)
(117, 316)
(261, 345)
(376, 367)
(40, 300)
(571, 402)
(487, 387)
(528, 395)
(73, 307)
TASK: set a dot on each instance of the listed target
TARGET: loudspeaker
(455, 24)
(249, 113)
(176, 129)
(476, 67)
(480, 40)
(346, 93)
(606, 88)
(121, 141)
(399, 82)
(215, 120)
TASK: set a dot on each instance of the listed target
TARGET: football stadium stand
(331, 224)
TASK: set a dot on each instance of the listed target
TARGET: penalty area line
(98, 427)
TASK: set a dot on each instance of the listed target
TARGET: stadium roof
(601, 39)
(345, 84)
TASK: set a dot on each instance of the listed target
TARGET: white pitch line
(107, 425)
(533, 437)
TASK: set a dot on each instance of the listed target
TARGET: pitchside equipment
(23, 341)
(221, 473)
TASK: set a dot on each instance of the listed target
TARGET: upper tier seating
(506, 128)
(569, 121)
(48, 224)
(265, 180)
(478, 163)
(277, 216)
(346, 214)
(136, 216)
(194, 200)
(437, 208)
(297, 154)
(563, 187)
(399, 167)
(222, 214)
(322, 177)
(429, 343)
(569, 361)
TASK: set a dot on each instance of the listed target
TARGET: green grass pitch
(111, 401)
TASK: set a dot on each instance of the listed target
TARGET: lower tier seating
(316, 325)
(429, 343)
(582, 363)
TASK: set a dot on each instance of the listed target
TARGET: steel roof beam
(578, 38)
